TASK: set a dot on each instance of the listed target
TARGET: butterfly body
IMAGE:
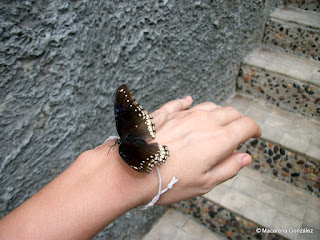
(135, 129)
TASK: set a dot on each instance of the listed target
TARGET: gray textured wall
(61, 61)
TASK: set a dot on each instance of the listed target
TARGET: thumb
(229, 167)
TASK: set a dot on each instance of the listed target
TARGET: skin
(98, 187)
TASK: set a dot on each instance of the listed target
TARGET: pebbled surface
(294, 31)
(60, 63)
(308, 5)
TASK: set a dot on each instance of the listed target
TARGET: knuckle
(210, 104)
(206, 106)
(171, 106)
(230, 108)
(228, 138)
(250, 122)
(234, 111)
(255, 128)
(225, 134)
(198, 116)
(208, 184)
(235, 168)
(179, 104)
(164, 109)
(194, 115)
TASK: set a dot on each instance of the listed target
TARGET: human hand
(201, 141)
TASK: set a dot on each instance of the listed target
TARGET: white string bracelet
(156, 198)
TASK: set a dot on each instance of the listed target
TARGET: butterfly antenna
(103, 129)
(113, 146)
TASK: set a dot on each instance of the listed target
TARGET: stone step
(269, 203)
(294, 31)
(242, 206)
(308, 5)
(289, 82)
(174, 225)
(300, 17)
(289, 148)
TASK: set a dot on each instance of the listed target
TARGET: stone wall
(61, 61)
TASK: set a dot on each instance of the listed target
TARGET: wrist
(132, 188)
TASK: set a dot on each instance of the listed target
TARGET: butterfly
(135, 129)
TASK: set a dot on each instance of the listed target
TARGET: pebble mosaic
(222, 220)
(293, 38)
(294, 96)
(278, 162)
(311, 5)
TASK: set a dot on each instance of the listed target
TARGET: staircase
(277, 197)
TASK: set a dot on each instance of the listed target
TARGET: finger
(226, 115)
(175, 106)
(208, 106)
(241, 130)
(229, 167)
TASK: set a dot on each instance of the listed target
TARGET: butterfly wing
(132, 120)
(142, 156)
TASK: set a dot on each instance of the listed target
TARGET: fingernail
(246, 160)
(188, 98)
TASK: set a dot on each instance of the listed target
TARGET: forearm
(99, 187)
(96, 189)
